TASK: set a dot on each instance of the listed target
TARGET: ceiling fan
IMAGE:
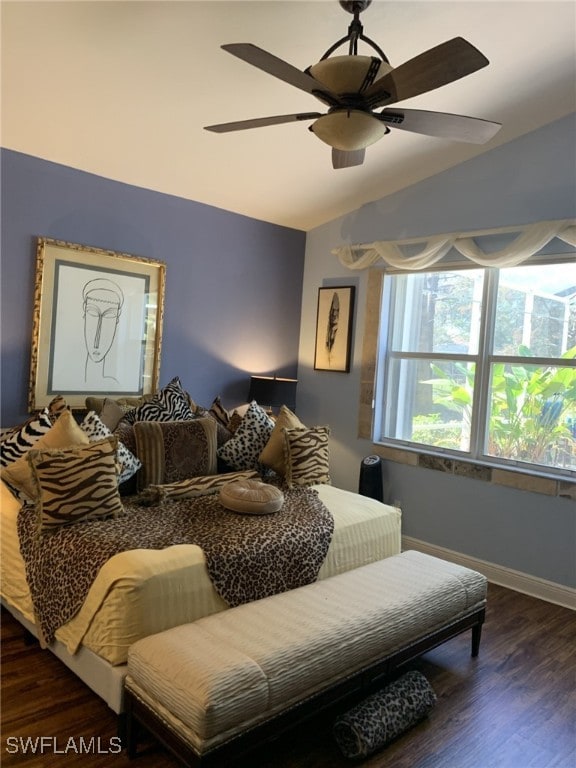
(354, 86)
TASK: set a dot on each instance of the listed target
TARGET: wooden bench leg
(130, 728)
(121, 728)
(476, 635)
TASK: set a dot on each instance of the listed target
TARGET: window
(480, 363)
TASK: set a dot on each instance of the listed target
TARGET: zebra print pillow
(203, 485)
(17, 441)
(76, 484)
(170, 404)
(65, 433)
(306, 455)
(20, 440)
(220, 413)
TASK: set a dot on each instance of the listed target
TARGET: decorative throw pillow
(75, 484)
(63, 434)
(273, 454)
(245, 446)
(251, 497)
(17, 440)
(96, 430)
(222, 433)
(384, 716)
(169, 404)
(96, 404)
(111, 414)
(22, 438)
(235, 421)
(203, 485)
(175, 450)
(124, 432)
(56, 407)
(307, 456)
(219, 412)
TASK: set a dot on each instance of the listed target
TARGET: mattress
(141, 592)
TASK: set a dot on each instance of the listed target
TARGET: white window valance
(528, 241)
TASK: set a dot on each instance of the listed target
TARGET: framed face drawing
(97, 323)
(334, 329)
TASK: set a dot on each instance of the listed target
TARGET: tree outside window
(481, 362)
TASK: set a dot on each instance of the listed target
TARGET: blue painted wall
(530, 179)
(233, 284)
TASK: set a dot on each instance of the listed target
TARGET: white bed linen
(141, 592)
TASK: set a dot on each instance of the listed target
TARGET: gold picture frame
(97, 323)
(334, 328)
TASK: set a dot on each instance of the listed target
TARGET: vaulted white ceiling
(123, 90)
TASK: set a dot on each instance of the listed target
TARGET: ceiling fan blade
(441, 125)
(261, 122)
(342, 159)
(271, 64)
(438, 66)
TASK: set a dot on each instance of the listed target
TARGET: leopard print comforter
(248, 557)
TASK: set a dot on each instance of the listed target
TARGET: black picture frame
(334, 321)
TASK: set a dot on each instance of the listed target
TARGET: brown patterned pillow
(307, 456)
(175, 450)
(223, 434)
(235, 422)
(75, 484)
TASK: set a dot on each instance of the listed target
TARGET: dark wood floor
(512, 707)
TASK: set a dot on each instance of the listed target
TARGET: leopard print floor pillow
(384, 716)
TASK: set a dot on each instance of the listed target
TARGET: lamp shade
(348, 74)
(273, 391)
(348, 129)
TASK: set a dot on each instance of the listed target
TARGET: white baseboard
(499, 574)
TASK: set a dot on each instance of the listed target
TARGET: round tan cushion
(252, 497)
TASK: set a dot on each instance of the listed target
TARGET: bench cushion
(226, 672)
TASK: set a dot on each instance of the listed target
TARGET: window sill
(517, 479)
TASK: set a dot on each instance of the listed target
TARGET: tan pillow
(252, 497)
(96, 404)
(64, 434)
(273, 454)
(307, 456)
(76, 485)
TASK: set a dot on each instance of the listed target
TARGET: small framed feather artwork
(334, 328)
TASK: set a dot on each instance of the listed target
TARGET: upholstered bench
(222, 683)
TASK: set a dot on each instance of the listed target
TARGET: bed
(139, 592)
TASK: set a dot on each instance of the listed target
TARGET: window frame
(484, 360)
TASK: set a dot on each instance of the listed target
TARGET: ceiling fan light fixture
(348, 74)
(348, 129)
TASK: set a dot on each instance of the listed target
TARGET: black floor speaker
(370, 483)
